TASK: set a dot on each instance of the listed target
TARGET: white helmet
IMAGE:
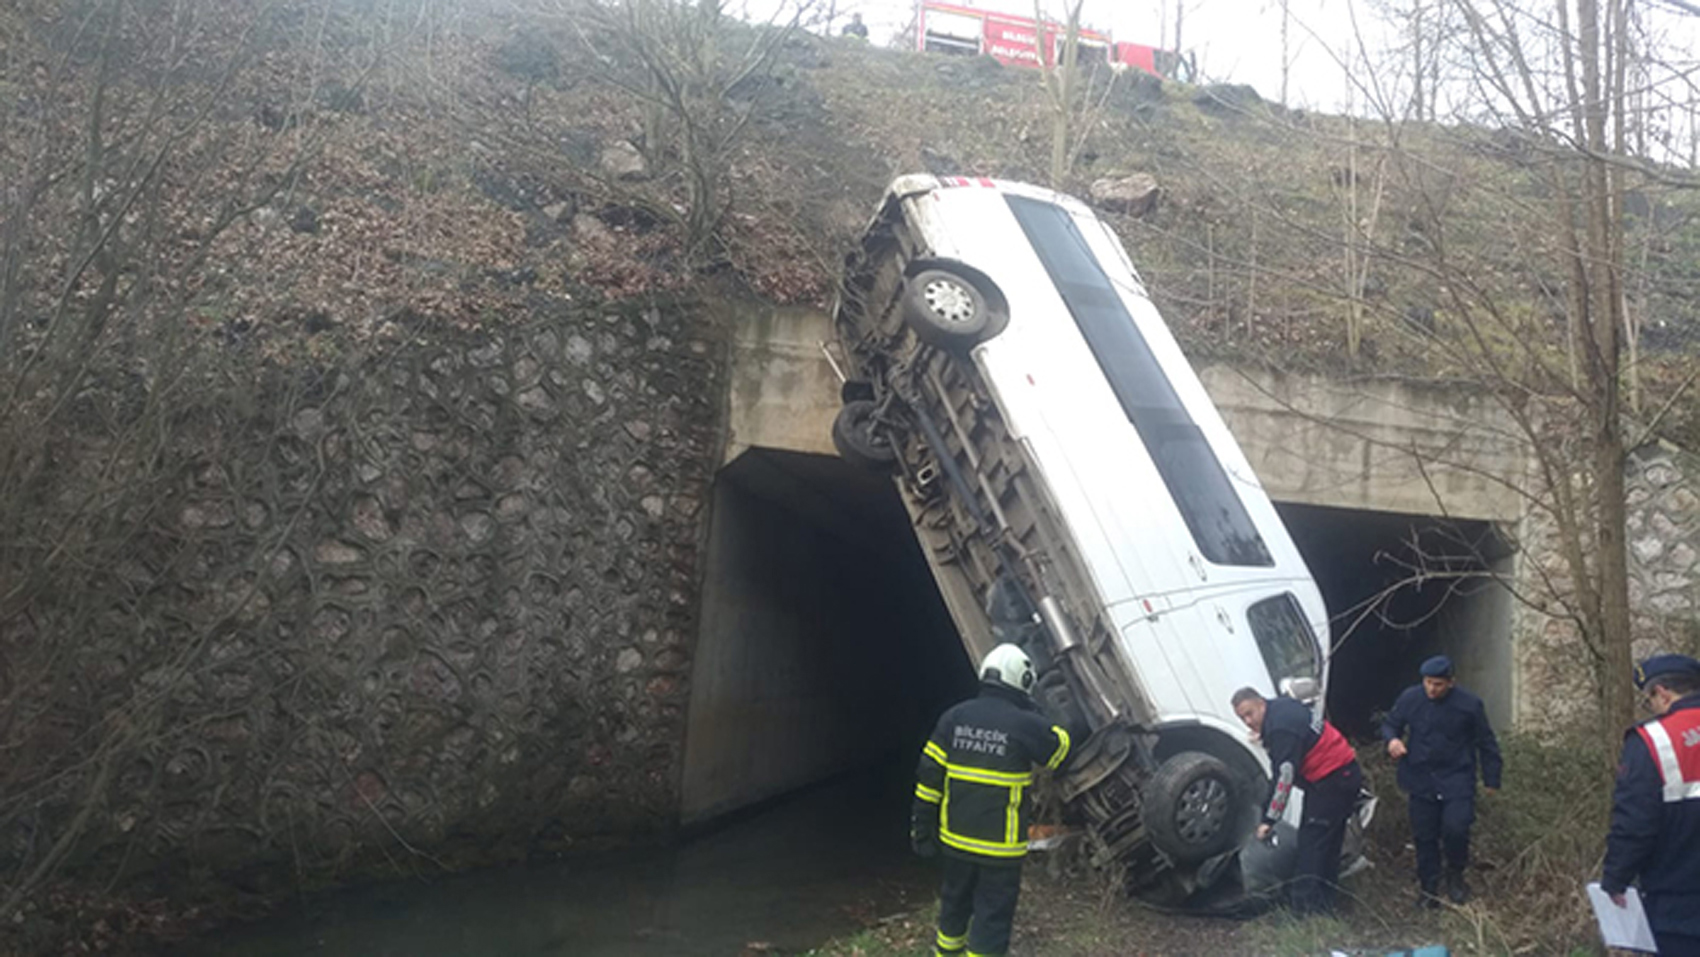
(1008, 665)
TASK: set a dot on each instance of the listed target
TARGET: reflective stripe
(1062, 748)
(932, 750)
(988, 848)
(928, 795)
(944, 807)
(1012, 817)
(983, 776)
(1676, 789)
(947, 942)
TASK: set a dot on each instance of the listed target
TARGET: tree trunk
(1605, 302)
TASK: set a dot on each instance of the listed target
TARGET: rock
(1671, 602)
(630, 659)
(1134, 194)
(560, 212)
(369, 519)
(305, 220)
(265, 217)
(486, 355)
(336, 553)
(536, 401)
(1660, 474)
(590, 229)
(622, 160)
(1682, 557)
(477, 526)
(309, 422)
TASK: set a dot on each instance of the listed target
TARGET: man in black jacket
(1655, 808)
(1305, 752)
(971, 802)
(1448, 736)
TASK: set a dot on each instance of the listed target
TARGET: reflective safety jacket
(1655, 818)
(971, 784)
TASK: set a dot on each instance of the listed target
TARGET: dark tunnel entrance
(1400, 588)
(823, 645)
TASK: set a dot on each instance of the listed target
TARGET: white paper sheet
(1625, 926)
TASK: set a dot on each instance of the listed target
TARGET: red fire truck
(1014, 40)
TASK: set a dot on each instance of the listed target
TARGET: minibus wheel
(859, 441)
(945, 309)
(1192, 807)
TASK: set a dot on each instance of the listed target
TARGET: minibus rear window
(1196, 479)
(1284, 637)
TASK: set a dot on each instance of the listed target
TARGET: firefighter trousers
(977, 907)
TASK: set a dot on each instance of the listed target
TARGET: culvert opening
(1400, 588)
(823, 645)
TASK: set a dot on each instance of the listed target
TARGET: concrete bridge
(811, 572)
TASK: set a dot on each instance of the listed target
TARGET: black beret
(1439, 666)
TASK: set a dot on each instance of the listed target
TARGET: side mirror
(1306, 690)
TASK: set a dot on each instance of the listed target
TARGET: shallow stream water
(819, 864)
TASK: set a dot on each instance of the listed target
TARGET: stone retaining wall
(448, 611)
(1556, 685)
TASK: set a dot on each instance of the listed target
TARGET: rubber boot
(1456, 890)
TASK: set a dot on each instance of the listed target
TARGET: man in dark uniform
(1446, 735)
(855, 28)
(1307, 752)
(971, 802)
(1655, 808)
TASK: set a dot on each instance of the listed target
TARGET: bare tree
(1559, 80)
(1072, 94)
(129, 184)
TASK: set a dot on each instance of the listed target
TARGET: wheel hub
(949, 301)
(1202, 810)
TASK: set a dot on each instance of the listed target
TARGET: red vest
(1330, 753)
(1674, 743)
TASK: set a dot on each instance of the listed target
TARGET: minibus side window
(1284, 637)
(1199, 485)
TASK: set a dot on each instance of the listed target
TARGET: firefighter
(1307, 752)
(855, 29)
(971, 801)
(1655, 808)
(1446, 736)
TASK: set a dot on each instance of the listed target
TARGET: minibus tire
(1192, 806)
(854, 437)
(945, 309)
